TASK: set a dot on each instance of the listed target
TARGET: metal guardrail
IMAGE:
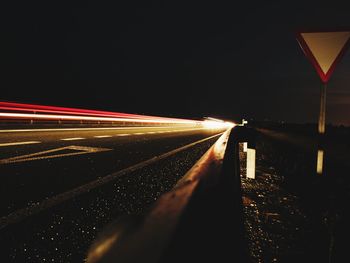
(201, 219)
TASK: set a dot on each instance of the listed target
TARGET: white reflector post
(319, 168)
(245, 147)
(251, 163)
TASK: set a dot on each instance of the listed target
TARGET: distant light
(230, 124)
(243, 122)
(211, 123)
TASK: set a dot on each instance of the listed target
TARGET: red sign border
(308, 53)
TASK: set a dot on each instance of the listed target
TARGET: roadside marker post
(251, 156)
(249, 148)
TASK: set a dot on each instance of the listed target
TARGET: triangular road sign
(324, 50)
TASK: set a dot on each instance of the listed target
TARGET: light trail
(212, 123)
(63, 110)
(81, 112)
(89, 118)
(90, 129)
(20, 111)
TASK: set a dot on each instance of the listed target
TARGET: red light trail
(21, 111)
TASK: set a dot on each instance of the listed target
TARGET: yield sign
(324, 50)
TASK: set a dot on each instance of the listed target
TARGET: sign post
(322, 117)
(324, 49)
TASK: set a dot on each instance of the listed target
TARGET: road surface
(74, 181)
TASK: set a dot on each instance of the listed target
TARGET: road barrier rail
(200, 219)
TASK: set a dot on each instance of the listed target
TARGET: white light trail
(89, 118)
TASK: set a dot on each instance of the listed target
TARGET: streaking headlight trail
(20, 112)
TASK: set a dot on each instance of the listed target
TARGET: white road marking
(103, 136)
(72, 139)
(53, 153)
(138, 133)
(17, 143)
(123, 134)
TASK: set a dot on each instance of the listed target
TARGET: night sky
(172, 58)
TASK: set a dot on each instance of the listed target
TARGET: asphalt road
(54, 201)
(38, 164)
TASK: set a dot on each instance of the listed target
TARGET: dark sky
(171, 58)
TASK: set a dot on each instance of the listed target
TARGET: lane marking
(138, 133)
(123, 134)
(44, 154)
(103, 136)
(72, 139)
(25, 212)
(17, 143)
